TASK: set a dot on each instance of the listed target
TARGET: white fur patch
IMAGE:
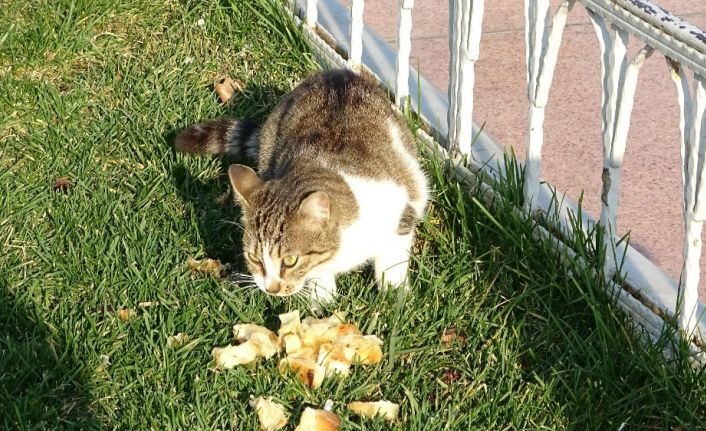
(380, 205)
(271, 270)
(413, 168)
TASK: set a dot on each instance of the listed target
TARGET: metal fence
(643, 291)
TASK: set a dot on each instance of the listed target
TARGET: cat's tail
(222, 136)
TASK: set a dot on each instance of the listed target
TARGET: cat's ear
(244, 181)
(316, 207)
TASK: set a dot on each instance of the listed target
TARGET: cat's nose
(273, 287)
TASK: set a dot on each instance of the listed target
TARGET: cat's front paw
(396, 279)
(322, 291)
(392, 263)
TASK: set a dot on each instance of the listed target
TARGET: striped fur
(222, 136)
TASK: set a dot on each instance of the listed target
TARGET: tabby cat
(337, 185)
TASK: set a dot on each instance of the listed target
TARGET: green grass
(95, 90)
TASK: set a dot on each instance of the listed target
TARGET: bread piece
(305, 353)
(336, 359)
(386, 409)
(265, 340)
(318, 335)
(291, 324)
(318, 420)
(266, 346)
(308, 371)
(318, 331)
(336, 332)
(367, 347)
(337, 318)
(292, 343)
(244, 331)
(229, 356)
(271, 415)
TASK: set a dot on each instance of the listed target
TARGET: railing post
(694, 205)
(356, 53)
(465, 27)
(542, 49)
(312, 13)
(619, 83)
(404, 47)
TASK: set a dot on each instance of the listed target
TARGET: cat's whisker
(240, 276)
(239, 226)
(242, 284)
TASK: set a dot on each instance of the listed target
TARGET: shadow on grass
(210, 200)
(41, 385)
(217, 216)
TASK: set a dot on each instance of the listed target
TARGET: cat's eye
(252, 258)
(290, 260)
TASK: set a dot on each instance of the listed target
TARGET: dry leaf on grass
(271, 415)
(318, 420)
(178, 340)
(61, 184)
(227, 89)
(386, 409)
(450, 335)
(450, 376)
(213, 267)
(126, 314)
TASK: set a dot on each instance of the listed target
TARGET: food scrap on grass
(386, 409)
(314, 350)
(318, 420)
(271, 415)
(213, 267)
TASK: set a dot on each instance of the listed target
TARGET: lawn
(92, 93)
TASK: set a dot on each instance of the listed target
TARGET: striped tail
(222, 136)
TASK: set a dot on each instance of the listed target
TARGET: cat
(337, 184)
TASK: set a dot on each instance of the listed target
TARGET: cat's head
(287, 235)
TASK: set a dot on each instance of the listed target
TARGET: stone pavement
(650, 191)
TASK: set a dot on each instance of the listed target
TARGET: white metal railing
(614, 21)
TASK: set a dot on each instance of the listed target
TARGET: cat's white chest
(380, 206)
